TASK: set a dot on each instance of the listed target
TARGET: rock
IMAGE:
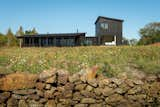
(18, 81)
(33, 97)
(88, 101)
(74, 78)
(93, 82)
(112, 85)
(48, 94)
(60, 89)
(134, 90)
(124, 87)
(62, 77)
(88, 94)
(151, 78)
(40, 93)
(40, 85)
(51, 79)
(89, 88)
(60, 105)
(50, 103)
(116, 81)
(129, 82)
(2, 105)
(77, 96)
(33, 103)
(46, 74)
(91, 73)
(67, 94)
(43, 100)
(48, 86)
(4, 96)
(80, 87)
(138, 82)
(96, 105)
(119, 91)
(103, 83)
(114, 98)
(107, 91)
(66, 102)
(81, 105)
(22, 103)
(98, 91)
(12, 102)
(18, 97)
(69, 86)
(24, 92)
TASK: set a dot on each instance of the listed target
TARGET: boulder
(17, 81)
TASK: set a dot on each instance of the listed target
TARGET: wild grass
(111, 60)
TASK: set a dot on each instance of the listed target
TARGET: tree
(133, 42)
(125, 41)
(11, 39)
(34, 31)
(20, 32)
(3, 40)
(150, 34)
(31, 32)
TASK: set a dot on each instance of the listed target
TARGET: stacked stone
(57, 88)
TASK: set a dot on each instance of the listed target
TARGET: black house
(108, 32)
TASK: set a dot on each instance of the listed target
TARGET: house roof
(54, 35)
(107, 18)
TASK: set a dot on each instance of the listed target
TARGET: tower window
(104, 26)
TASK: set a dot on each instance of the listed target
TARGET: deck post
(39, 42)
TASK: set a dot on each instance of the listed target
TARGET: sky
(66, 16)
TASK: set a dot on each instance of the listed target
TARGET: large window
(104, 25)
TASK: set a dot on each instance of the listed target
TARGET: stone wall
(56, 88)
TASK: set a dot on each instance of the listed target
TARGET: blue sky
(62, 16)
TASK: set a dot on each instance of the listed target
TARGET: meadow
(110, 60)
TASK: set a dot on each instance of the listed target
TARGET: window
(104, 25)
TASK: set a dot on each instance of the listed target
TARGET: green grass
(111, 60)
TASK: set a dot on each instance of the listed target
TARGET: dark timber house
(108, 32)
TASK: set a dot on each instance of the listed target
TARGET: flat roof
(54, 35)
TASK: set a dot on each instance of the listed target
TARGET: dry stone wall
(56, 88)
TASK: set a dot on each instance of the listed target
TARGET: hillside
(111, 61)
